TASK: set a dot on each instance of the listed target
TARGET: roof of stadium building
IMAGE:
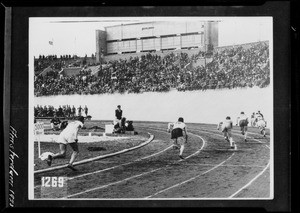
(135, 23)
(148, 22)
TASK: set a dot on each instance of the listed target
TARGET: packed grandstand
(230, 67)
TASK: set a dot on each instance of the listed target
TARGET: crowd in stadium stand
(53, 62)
(61, 111)
(230, 67)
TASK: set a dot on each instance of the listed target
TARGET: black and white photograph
(151, 108)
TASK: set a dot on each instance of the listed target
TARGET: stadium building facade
(156, 36)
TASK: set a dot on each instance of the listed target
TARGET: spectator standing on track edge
(79, 110)
(119, 114)
(73, 111)
(86, 111)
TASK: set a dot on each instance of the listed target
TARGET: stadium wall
(210, 106)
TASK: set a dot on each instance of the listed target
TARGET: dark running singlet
(176, 133)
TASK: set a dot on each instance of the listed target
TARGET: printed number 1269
(52, 181)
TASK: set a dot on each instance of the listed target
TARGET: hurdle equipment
(38, 131)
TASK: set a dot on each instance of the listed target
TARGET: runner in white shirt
(243, 121)
(179, 134)
(226, 127)
(68, 136)
(253, 119)
(261, 123)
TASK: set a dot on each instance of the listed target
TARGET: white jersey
(69, 134)
(179, 124)
(227, 124)
(243, 117)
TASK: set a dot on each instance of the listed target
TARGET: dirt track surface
(210, 169)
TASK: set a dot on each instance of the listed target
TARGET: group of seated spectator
(123, 126)
(55, 63)
(232, 67)
(62, 111)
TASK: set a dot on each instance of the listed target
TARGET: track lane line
(132, 177)
(110, 184)
(97, 157)
(124, 164)
(193, 178)
(250, 182)
(209, 131)
(110, 168)
(114, 167)
(259, 174)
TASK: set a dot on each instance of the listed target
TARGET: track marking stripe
(255, 176)
(233, 153)
(237, 131)
(97, 158)
(203, 144)
(106, 169)
(124, 164)
(110, 168)
(248, 184)
(110, 184)
(193, 178)
(132, 177)
(226, 165)
(209, 131)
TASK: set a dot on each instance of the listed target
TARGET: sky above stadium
(78, 35)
